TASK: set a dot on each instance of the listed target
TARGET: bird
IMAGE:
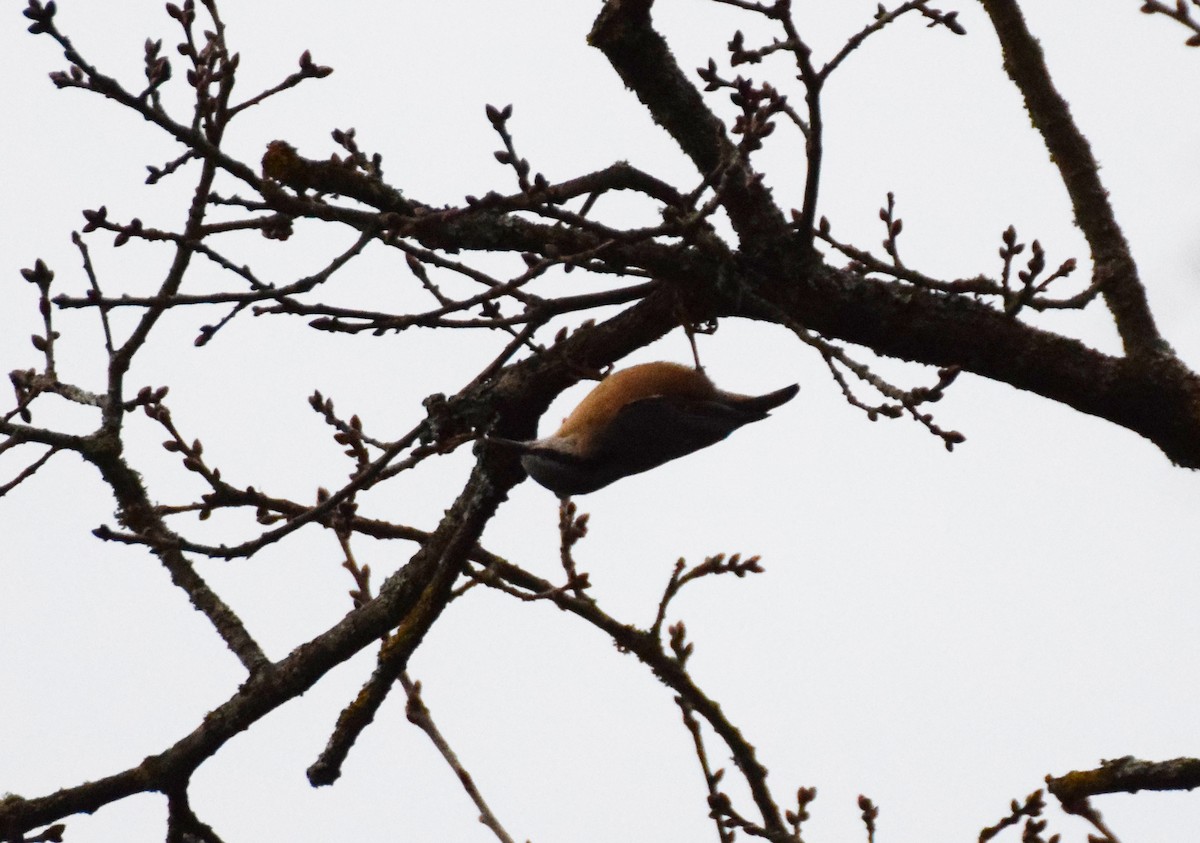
(637, 419)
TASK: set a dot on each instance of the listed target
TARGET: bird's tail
(522, 447)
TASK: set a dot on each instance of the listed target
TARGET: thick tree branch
(411, 599)
(773, 276)
(623, 32)
(1125, 775)
(1157, 397)
(277, 683)
(1154, 395)
(1114, 267)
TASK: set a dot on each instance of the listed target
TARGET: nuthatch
(635, 420)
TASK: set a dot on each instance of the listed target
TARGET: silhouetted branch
(1180, 12)
(1115, 272)
(680, 271)
(1126, 775)
(668, 666)
(419, 716)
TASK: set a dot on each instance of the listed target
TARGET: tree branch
(623, 32)
(1114, 268)
(1125, 775)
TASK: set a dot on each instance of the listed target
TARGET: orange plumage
(637, 419)
(600, 406)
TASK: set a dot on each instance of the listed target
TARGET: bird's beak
(768, 402)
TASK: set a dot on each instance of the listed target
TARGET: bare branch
(1032, 807)
(1126, 775)
(28, 471)
(1180, 12)
(669, 667)
(1115, 272)
(419, 716)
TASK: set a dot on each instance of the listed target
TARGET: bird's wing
(649, 432)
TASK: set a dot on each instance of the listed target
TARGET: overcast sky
(937, 631)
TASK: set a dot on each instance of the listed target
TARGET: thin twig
(418, 715)
(29, 471)
(712, 779)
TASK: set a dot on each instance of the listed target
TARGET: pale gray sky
(937, 631)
